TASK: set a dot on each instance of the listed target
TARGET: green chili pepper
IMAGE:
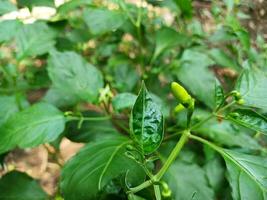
(180, 93)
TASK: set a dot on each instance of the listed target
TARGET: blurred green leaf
(71, 74)
(60, 98)
(31, 3)
(10, 105)
(71, 5)
(90, 130)
(123, 100)
(219, 94)
(168, 38)
(188, 181)
(146, 122)
(221, 58)
(9, 29)
(98, 163)
(35, 125)
(102, 20)
(202, 86)
(252, 86)
(20, 186)
(247, 175)
(34, 39)
(6, 6)
(185, 7)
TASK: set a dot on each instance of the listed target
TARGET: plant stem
(173, 154)
(201, 122)
(70, 118)
(157, 192)
(141, 186)
(180, 144)
(210, 144)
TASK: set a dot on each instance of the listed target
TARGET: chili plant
(196, 130)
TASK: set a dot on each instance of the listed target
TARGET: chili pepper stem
(173, 154)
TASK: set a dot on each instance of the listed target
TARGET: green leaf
(167, 38)
(71, 74)
(90, 130)
(35, 39)
(9, 106)
(252, 86)
(221, 58)
(20, 186)
(188, 181)
(60, 98)
(219, 94)
(98, 163)
(244, 38)
(32, 3)
(249, 119)
(8, 29)
(224, 133)
(123, 100)
(124, 73)
(71, 5)
(202, 86)
(35, 125)
(247, 175)
(146, 122)
(102, 20)
(186, 7)
(6, 6)
(215, 173)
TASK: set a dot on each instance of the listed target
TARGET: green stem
(173, 154)
(202, 140)
(141, 186)
(201, 122)
(174, 135)
(70, 118)
(157, 192)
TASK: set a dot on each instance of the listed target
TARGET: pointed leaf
(88, 172)
(219, 94)
(247, 175)
(249, 119)
(146, 122)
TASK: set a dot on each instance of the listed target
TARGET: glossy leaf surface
(146, 122)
